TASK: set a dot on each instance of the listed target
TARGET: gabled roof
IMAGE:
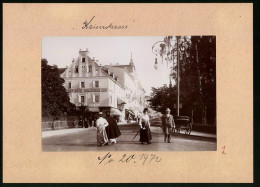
(103, 71)
(128, 67)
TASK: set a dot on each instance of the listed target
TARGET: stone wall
(54, 125)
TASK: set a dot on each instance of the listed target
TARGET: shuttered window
(95, 84)
(82, 99)
(96, 98)
(82, 84)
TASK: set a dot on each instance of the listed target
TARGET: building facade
(111, 88)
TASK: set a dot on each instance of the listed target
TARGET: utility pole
(178, 77)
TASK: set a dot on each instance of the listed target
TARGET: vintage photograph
(129, 93)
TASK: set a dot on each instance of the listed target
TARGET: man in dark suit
(167, 124)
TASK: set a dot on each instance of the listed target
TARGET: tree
(198, 77)
(197, 69)
(55, 99)
(162, 98)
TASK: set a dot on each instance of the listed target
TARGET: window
(82, 85)
(69, 85)
(90, 68)
(82, 99)
(83, 59)
(76, 69)
(95, 84)
(96, 98)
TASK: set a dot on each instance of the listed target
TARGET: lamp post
(171, 52)
(178, 77)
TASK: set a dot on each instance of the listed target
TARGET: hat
(168, 110)
(100, 113)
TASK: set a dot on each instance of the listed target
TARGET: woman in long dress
(101, 130)
(145, 132)
(112, 129)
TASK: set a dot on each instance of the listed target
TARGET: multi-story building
(110, 87)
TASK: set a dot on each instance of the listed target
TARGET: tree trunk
(198, 70)
(204, 115)
(191, 115)
(203, 121)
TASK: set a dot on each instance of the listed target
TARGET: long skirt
(102, 136)
(113, 131)
(145, 135)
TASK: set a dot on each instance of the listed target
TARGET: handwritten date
(130, 158)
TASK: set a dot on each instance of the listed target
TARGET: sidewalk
(50, 133)
(58, 132)
(203, 134)
(193, 133)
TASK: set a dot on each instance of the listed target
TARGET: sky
(111, 50)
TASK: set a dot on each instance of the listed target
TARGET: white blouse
(102, 122)
(144, 118)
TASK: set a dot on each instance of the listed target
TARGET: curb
(188, 135)
(79, 130)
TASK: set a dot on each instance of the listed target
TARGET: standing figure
(145, 132)
(86, 122)
(101, 130)
(112, 129)
(167, 124)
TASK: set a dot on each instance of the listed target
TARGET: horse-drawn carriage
(182, 123)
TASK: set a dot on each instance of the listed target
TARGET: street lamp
(165, 48)
(156, 64)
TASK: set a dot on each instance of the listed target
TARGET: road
(85, 140)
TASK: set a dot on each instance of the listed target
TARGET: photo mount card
(34, 154)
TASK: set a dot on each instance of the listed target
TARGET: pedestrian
(90, 121)
(80, 123)
(101, 124)
(167, 124)
(86, 122)
(112, 129)
(145, 132)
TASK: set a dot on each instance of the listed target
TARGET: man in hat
(101, 130)
(167, 124)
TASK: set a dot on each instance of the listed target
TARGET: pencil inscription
(91, 25)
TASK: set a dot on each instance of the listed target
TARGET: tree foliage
(197, 65)
(55, 99)
(162, 98)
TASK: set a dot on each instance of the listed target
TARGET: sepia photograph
(139, 93)
(132, 93)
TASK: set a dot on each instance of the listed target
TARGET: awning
(115, 112)
(94, 109)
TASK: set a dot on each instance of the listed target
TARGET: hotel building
(111, 88)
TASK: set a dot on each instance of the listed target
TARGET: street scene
(129, 93)
(84, 139)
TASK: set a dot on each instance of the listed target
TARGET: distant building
(111, 88)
